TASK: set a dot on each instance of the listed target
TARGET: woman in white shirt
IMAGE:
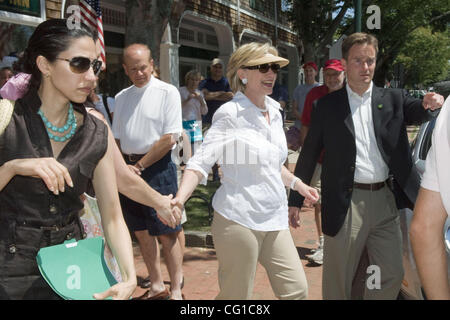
(431, 211)
(193, 107)
(251, 215)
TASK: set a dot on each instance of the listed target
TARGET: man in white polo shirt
(146, 117)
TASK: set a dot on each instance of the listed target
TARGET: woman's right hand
(311, 195)
(53, 173)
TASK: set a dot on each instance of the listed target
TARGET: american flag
(91, 14)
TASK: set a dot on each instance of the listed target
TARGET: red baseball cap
(310, 64)
(334, 64)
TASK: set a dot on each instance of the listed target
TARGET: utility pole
(358, 11)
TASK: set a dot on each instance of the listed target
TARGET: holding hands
(169, 213)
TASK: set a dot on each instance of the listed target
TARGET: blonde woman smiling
(251, 222)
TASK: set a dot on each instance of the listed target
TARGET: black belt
(133, 157)
(369, 186)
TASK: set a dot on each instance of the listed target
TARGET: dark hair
(358, 38)
(6, 68)
(50, 38)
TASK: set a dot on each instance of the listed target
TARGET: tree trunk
(146, 22)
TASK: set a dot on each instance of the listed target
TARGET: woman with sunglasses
(251, 215)
(49, 152)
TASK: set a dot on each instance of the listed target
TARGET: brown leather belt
(369, 186)
(133, 157)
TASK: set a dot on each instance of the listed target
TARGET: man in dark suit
(362, 129)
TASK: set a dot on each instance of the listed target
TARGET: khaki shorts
(315, 181)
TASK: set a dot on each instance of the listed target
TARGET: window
(186, 34)
(260, 5)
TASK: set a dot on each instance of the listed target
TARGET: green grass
(197, 209)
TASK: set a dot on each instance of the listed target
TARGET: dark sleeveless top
(28, 198)
(31, 216)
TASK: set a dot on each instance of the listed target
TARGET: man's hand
(432, 101)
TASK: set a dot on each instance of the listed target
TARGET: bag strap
(6, 111)
(105, 103)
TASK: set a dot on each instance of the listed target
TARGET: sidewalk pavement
(200, 267)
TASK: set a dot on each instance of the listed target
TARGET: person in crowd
(146, 117)
(49, 151)
(156, 72)
(128, 181)
(5, 74)
(280, 94)
(362, 129)
(333, 74)
(216, 91)
(104, 105)
(431, 212)
(298, 101)
(193, 106)
(250, 221)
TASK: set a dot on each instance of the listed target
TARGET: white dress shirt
(143, 115)
(251, 153)
(370, 166)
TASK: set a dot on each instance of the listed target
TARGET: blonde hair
(244, 54)
(192, 75)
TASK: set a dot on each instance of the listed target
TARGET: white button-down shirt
(143, 115)
(251, 153)
(370, 166)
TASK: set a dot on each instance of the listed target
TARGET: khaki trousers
(372, 221)
(239, 249)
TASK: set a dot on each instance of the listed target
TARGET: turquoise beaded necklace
(70, 123)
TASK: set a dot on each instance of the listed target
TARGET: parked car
(411, 286)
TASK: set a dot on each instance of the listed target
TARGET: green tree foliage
(316, 22)
(399, 18)
(425, 57)
(319, 21)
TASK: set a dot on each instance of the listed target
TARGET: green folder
(76, 270)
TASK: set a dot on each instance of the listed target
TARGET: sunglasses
(263, 68)
(82, 64)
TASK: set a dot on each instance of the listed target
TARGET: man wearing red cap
(333, 73)
(299, 96)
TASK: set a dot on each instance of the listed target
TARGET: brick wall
(224, 13)
(53, 9)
